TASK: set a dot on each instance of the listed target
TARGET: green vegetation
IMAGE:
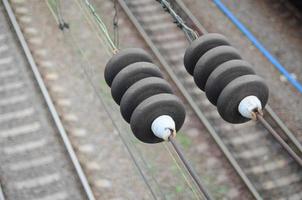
(184, 140)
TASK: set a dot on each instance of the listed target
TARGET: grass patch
(184, 140)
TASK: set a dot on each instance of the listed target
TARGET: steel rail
(49, 102)
(191, 102)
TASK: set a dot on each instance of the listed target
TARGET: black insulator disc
(131, 74)
(200, 46)
(122, 59)
(237, 90)
(140, 91)
(223, 75)
(210, 60)
(151, 108)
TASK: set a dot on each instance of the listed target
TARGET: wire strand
(101, 25)
(189, 32)
(101, 37)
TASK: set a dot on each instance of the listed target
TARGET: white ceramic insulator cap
(162, 126)
(248, 105)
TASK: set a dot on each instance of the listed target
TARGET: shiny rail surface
(265, 168)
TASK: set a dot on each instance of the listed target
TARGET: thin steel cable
(190, 169)
(100, 36)
(189, 32)
(279, 139)
(101, 25)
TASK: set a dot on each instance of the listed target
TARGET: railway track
(37, 160)
(263, 165)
